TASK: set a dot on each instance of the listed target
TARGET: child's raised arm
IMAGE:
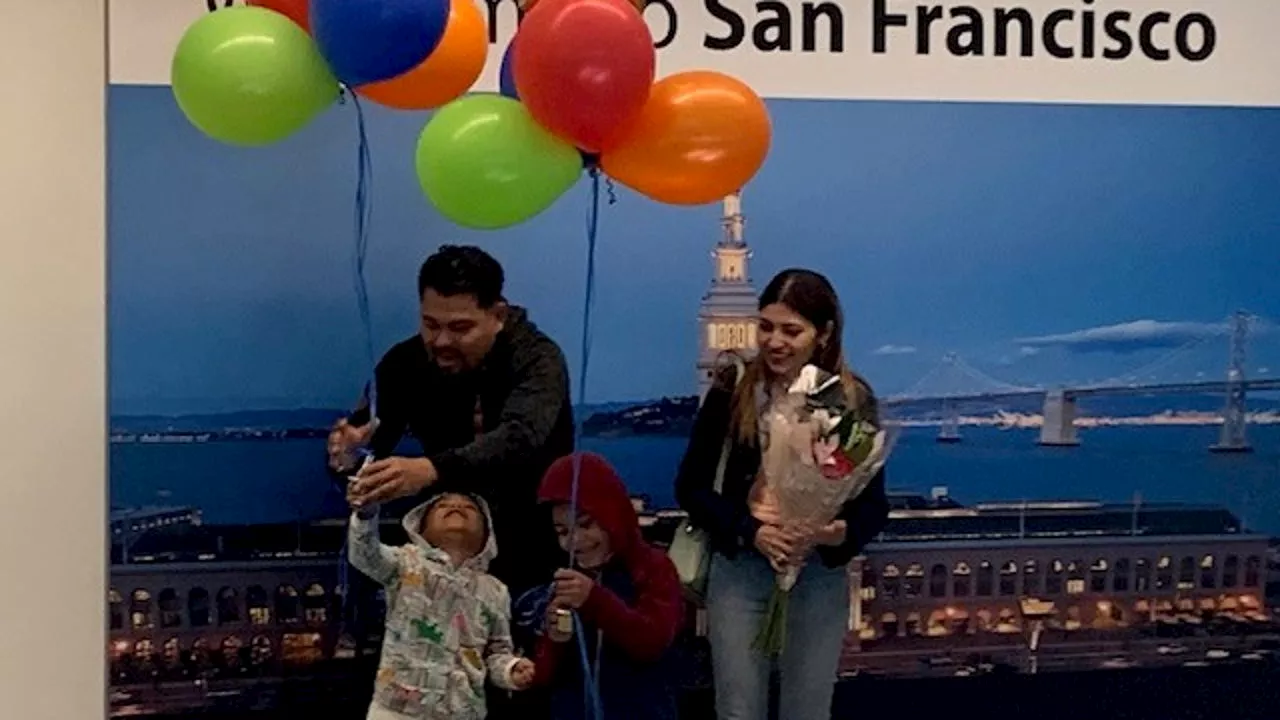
(367, 553)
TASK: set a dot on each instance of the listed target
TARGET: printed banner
(1171, 52)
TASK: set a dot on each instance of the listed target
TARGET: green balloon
(485, 163)
(250, 76)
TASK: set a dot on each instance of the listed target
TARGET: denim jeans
(817, 619)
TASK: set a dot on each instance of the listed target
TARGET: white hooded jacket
(448, 627)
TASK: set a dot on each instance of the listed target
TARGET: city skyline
(1092, 240)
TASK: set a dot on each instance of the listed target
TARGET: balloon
(296, 10)
(702, 136)
(370, 40)
(527, 5)
(485, 163)
(506, 75)
(450, 70)
(584, 68)
(250, 76)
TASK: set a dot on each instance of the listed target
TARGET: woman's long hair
(811, 296)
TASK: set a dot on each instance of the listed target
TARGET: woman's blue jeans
(738, 593)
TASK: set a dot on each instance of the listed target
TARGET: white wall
(52, 359)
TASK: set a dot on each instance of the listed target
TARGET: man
(485, 393)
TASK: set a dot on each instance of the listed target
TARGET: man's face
(457, 331)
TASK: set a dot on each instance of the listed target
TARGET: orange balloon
(448, 72)
(527, 5)
(701, 136)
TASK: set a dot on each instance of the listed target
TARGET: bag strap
(739, 368)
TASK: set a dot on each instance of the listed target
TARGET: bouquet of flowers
(819, 453)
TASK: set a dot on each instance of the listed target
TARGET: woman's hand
(832, 535)
(776, 544)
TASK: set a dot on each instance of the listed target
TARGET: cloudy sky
(1042, 244)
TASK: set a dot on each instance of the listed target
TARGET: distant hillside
(674, 415)
(667, 416)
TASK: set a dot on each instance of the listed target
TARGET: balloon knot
(343, 93)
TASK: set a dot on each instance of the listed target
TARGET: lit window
(301, 648)
(115, 608)
(255, 599)
(913, 587)
(1098, 576)
(1164, 573)
(1075, 586)
(313, 605)
(891, 582)
(960, 580)
(1208, 573)
(260, 650)
(172, 653)
(145, 653)
(1187, 573)
(231, 647)
(140, 610)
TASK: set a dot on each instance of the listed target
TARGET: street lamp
(1034, 613)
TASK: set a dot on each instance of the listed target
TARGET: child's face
(592, 542)
(455, 520)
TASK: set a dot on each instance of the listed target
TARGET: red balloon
(584, 68)
(298, 11)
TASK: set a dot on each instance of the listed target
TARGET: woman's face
(787, 340)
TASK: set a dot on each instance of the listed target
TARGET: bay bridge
(953, 384)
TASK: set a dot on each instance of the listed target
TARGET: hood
(601, 494)
(413, 521)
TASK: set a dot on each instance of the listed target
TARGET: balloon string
(590, 675)
(363, 221)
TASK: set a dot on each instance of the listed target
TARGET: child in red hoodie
(625, 591)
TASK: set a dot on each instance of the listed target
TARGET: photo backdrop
(1083, 199)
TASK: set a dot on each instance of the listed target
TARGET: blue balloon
(366, 41)
(507, 74)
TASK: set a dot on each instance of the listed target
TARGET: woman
(800, 323)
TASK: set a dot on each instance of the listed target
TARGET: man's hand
(522, 674)
(344, 440)
(572, 589)
(396, 477)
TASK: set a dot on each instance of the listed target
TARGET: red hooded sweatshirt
(645, 626)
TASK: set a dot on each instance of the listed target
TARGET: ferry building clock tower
(727, 316)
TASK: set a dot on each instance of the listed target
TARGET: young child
(448, 623)
(626, 592)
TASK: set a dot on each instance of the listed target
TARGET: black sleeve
(393, 415)
(527, 419)
(865, 517)
(695, 479)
